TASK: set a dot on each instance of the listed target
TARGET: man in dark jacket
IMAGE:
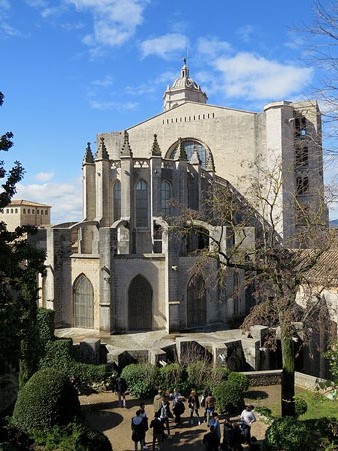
(158, 430)
(138, 428)
(121, 388)
(211, 440)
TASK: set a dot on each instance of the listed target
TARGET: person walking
(165, 414)
(209, 406)
(175, 396)
(144, 414)
(194, 405)
(121, 388)
(157, 426)
(157, 403)
(138, 428)
(178, 411)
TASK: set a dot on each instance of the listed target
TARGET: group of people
(171, 406)
(163, 412)
(234, 434)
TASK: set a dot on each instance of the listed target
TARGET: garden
(47, 414)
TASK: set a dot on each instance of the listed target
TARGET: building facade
(123, 267)
(24, 212)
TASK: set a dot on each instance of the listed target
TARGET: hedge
(59, 355)
(47, 399)
(74, 436)
(45, 319)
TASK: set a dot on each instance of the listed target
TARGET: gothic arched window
(117, 200)
(140, 304)
(189, 145)
(83, 303)
(196, 302)
(141, 204)
(165, 197)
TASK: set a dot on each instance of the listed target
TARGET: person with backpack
(138, 428)
(178, 411)
(211, 440)
(121, 388)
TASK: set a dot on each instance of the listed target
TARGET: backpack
(179, 407)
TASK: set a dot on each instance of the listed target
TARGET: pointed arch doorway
(83, 303)
(140, 304)
(196, 302)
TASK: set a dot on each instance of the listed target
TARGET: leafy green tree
(20, 264)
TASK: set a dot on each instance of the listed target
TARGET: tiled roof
(325, 272)
(27, 203)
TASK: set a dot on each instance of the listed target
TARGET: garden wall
(260, 378)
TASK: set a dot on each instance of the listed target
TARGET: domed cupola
(184, 89)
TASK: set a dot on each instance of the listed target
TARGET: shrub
(240, 380)
(287, 433)
(300, 406)
(59, 355)
(141, 379)
(73, 436)
(47, 399)
(171, 376)
(88, 373)
(264, 411)
(199, 374)
(218, 375)
(45, 318)
(229, 394)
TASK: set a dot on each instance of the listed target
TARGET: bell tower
(184, 89)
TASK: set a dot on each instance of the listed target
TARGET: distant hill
(333, 223)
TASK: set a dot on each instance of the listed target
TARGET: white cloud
(165, 46)
(213, 47)
(114, 21)
(254, 77)
(103, 82)
(112, 105)
(64, 198)
(47, 8)
(6, 30)
(152, 85)
(245, 33)
(44, 176)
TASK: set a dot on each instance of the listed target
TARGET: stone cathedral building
(122, 268)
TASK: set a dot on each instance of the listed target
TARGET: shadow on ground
(256, 394)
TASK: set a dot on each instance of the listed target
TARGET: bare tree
(245, 233)
(321, 53)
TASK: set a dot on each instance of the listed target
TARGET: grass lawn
(317, 406)
(270, 396)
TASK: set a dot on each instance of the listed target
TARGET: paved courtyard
(103, 413)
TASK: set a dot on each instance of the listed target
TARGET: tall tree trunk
(288, 376)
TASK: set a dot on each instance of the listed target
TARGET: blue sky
(75, 68)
